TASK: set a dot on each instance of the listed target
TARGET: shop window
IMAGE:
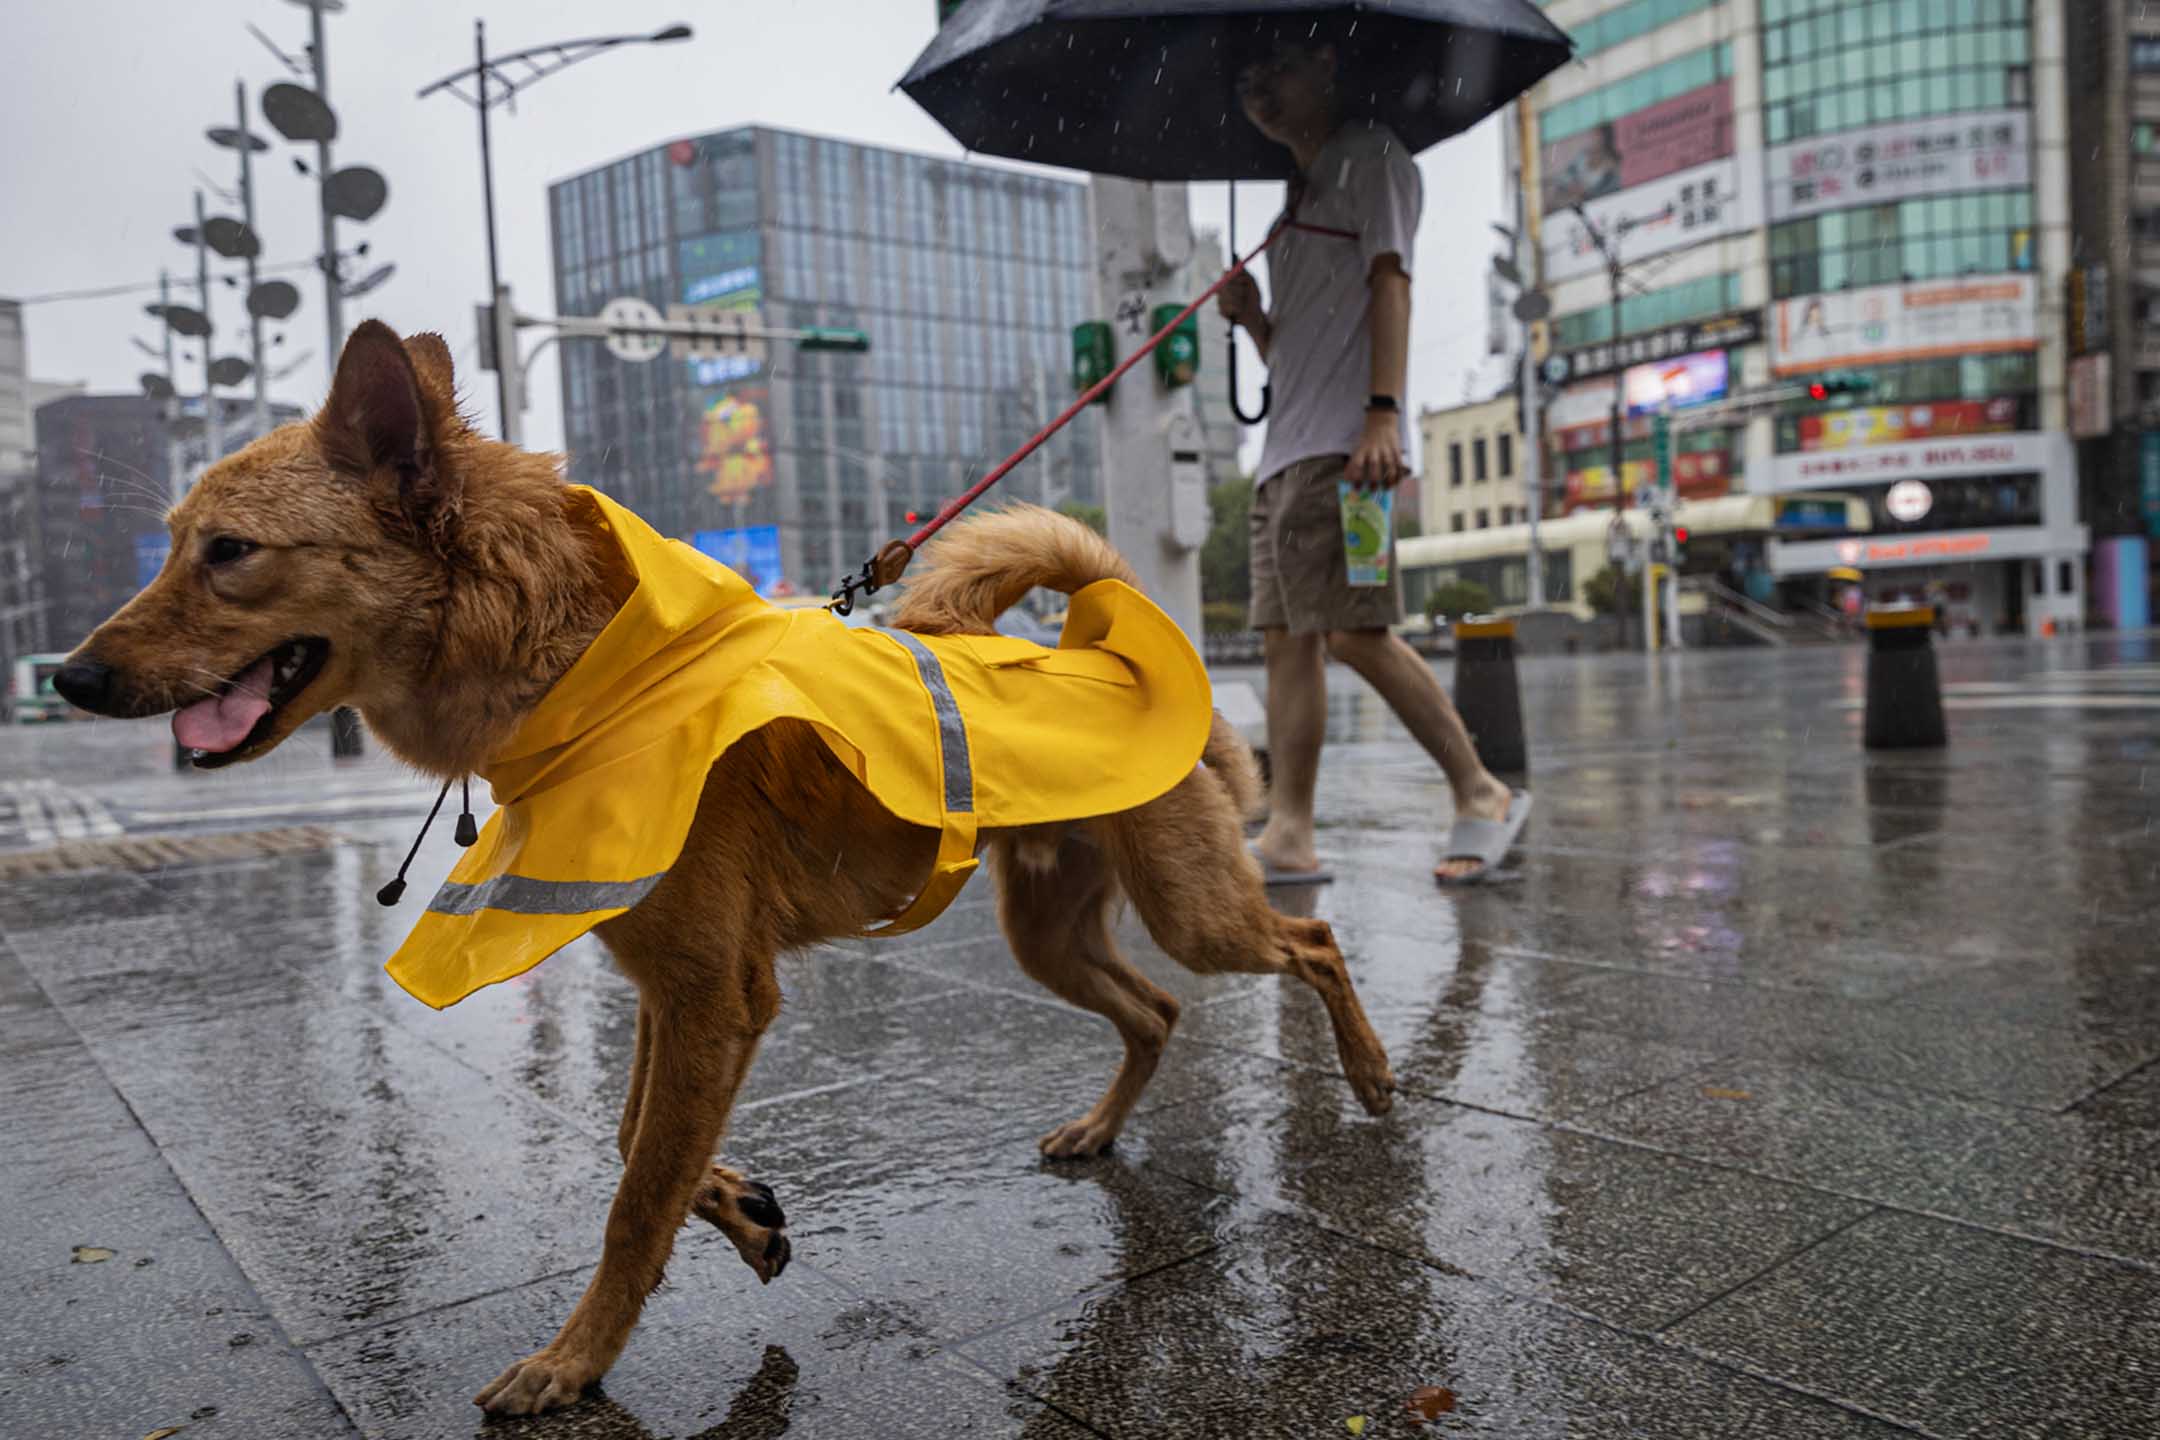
(1454, 463)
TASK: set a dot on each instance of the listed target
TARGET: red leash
(886, 567)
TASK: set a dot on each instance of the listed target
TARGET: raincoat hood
(598, 788)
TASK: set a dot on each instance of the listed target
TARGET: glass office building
(967, 278)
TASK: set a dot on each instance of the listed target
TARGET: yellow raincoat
(955, 733)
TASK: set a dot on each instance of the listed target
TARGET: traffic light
(913, 517)
(827, 337)
(1839, 382)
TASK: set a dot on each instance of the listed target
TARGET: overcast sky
(107, 100)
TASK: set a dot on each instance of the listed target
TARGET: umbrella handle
(1237, 406)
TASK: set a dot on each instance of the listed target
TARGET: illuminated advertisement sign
(751, 551)
(722, 269)
(1681, 209)
(721, 272)
(1697, 475)
(1675, 384)
(1990, 150)
(1892, 424)
(733, 443)
(1886, 323)
(1687, 130)
(1913, 459)
(1722, 333)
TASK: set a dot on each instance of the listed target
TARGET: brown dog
(383, 555)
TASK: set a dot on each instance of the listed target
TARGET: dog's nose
(85, 684)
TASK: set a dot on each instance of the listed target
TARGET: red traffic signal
(1818, 391)
(913, 517)
(1679, 534)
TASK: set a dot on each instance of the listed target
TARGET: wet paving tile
(1293, 1332)
(40, 903)
(164, 1329)
(1492, 1044)
(2133, 1101)
(715, 1355)
(959, 1241)
(1954, 1331)
(2070, 1178)
(355, 1172)
(1630, 1236)
(1955, 1051)
(980, 1063)
(157, 972)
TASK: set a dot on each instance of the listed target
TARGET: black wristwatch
(1382, 402)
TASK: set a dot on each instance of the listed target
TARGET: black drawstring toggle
(468, 833)
(391, 893)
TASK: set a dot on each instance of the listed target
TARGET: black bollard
(1487, 696)
(344, 733)
(1904, 692)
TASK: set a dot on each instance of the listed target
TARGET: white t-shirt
(1320, 350)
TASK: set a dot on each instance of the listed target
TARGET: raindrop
(1158, 75)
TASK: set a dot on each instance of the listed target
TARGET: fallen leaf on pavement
(1429, 1402)
(91, 1255)
(1355, 1424)
(1719, 1092)
(162, 1434)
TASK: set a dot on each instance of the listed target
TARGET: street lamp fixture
(496, 84)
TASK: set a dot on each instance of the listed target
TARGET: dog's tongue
(223, 721)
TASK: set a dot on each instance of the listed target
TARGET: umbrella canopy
(1147, 89)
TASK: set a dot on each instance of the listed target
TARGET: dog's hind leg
(701, 1031)
(1056, 918)
(1181, 859)
(640, 1063)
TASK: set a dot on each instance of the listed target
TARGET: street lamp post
(213, 423)
(496, 85)
(247, 144)
(1608, 248)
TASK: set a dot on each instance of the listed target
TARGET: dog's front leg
(696, 1055)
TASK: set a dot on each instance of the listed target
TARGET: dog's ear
(430, 359)
(376, 424)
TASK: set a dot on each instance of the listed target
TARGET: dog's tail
(981, 566)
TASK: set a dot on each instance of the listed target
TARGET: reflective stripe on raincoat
(958, 734)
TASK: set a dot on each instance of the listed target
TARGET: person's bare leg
(1421, 702)
(1296, 724)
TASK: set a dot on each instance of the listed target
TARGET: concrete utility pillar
(1154, 472)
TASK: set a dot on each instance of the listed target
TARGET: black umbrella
(1147, 89)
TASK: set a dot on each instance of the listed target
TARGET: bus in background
(31, 696)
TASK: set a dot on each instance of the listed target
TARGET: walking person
(1336, 343)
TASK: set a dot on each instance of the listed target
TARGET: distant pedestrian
(1336, 342)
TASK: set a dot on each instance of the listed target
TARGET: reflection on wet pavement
(1781, 1090)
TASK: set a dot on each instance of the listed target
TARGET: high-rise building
(104, 481)
(1798, 193)
(22, 586)
(968, 279)
(2113, 330)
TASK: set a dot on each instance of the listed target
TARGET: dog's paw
(1077, 1139)
(544, 1380)
(1374, 1085)
(745, 1212)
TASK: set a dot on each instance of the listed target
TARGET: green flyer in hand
(1368, 519)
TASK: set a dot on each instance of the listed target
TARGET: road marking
(394, 803)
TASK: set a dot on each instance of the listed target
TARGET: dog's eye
(226, 549)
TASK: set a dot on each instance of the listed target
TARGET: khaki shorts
(1300, 581)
